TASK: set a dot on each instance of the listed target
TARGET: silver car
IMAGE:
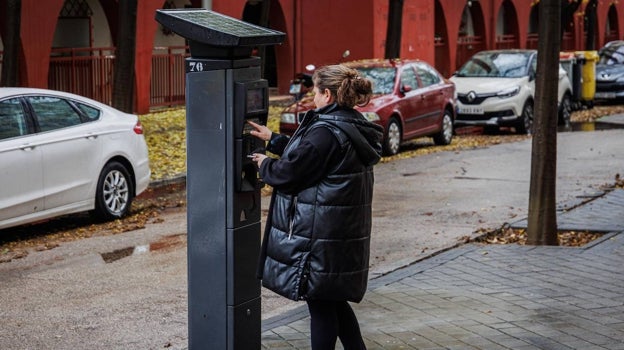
(610, 72)
(61, 153)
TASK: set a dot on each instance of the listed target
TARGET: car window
(427, 76)
(408, 77)
(496, 64)
(611, 55)
(91, 113)
(383, 78)
(534, 65)
(12, 119)
(53, 112)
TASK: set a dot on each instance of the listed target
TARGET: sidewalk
(495, 296)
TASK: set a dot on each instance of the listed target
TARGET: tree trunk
(542, 222)
(12, 10)
(123, 80)
(393, 34)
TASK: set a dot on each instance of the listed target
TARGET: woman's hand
(261, 132)
(258, 158)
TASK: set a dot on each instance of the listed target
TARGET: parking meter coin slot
(246, 172)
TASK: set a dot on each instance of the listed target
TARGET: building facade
(70, 44)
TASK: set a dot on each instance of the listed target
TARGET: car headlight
(288, 118)
(371, 116)
(508, 92)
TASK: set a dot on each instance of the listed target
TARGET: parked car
(62, 153)
(410, 99)
(610, 71)
(497, 88)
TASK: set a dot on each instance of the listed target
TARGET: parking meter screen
(255, 100)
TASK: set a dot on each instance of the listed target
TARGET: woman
(316, 243)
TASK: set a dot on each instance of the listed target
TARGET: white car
(61, 153)
(497, 88)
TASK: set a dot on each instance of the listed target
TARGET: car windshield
(496, 64)
(382, 78)
(612, 55)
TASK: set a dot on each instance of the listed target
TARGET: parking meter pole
(224, 90)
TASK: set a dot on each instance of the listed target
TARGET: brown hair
(345, 84)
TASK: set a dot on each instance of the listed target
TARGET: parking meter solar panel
(216, 29)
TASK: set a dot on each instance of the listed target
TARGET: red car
(410, 99)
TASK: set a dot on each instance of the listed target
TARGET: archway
(75, 64)
(441, 42)
(590, 34)
(252, 13)
(168, 84)
(507, 27)
(612, 30)
(532, 35)
(471, 38)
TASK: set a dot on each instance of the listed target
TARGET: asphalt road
(70, 297)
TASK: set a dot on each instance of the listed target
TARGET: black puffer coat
(317, 240)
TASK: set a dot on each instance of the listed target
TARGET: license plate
(470, 110)
(605, 94)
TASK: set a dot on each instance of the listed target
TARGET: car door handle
(91, 136)
(27, 147)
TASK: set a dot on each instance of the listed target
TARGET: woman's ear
(327, 95)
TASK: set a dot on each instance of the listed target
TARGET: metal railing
(168, 85)
(567, 42)
(83, 71)
(507, 41)
(89, 72)
(468, 45)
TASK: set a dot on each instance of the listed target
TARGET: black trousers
(330, 320)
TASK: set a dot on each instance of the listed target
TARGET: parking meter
(224, 90)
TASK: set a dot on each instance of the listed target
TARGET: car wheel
(392, 138)
(445, 135)
(525, 125)
(565, 111)
(113, 196)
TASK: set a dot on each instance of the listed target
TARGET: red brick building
(70, 44)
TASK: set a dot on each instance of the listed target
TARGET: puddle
(164, 244)
(584, 126)
(593, 126)
(117, 254)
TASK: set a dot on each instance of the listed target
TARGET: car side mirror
(532, 76)
(406, 88)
